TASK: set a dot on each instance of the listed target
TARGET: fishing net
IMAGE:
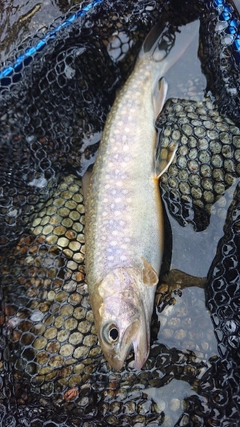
(56, 90)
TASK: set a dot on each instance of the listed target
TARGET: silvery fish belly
(124, 223)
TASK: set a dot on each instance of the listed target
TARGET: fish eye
(110, 333)
(113, 334)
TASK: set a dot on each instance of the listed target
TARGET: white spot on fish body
(124, 246)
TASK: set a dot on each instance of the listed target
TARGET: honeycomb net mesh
(52, 111)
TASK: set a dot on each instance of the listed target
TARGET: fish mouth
(137, 348)
(140, 356)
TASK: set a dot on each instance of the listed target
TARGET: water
(21, 19)
(185, 332)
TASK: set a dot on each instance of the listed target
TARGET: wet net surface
(53, 108)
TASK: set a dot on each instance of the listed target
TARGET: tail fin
(164, 44)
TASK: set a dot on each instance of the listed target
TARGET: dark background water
(237, 3)
(19, 19)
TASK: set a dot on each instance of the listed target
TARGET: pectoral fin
(164, 158)
(150, 277)
(159, 96)
(179, 279)
(85, 183)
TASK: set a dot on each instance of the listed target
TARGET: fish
(124, 225)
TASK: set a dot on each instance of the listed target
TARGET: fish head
(123, 330)
(122, 313)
